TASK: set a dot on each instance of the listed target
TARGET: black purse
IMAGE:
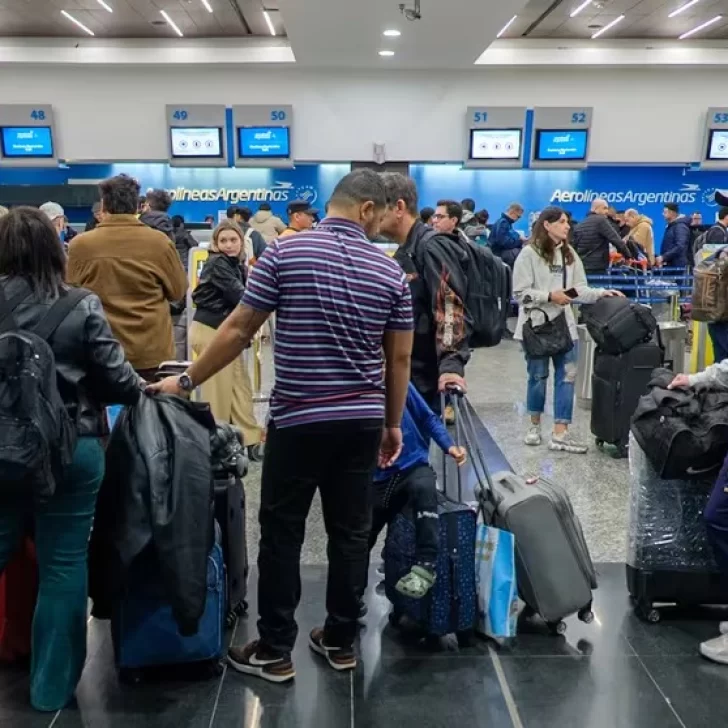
(552, 337)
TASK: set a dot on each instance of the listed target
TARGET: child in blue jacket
(412, 479)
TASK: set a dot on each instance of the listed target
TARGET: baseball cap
(52, 210)
(301, 206)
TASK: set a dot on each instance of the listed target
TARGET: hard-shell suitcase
(554, 570)
(230, 515)
(618, 382)
(144, 632)
(669, 560)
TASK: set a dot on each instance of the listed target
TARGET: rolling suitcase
(669, 560)
(144, 632)
(450, 606)
(230, 515)
(618, 382)
(554, 570)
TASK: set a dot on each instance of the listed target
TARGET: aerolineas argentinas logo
(278, 192)
(688, 195)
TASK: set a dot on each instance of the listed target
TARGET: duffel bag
(618, 324)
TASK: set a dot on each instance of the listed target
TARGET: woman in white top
(538, 282)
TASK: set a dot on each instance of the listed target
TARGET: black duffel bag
(617, 324)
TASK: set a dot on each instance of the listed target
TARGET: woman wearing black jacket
(91, 371)
(219, 291)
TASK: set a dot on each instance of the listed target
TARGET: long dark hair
(31, 249)
(542, 241)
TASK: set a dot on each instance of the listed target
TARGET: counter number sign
(38, 115)
(720, 118)
(180, 115)
(578, 117)
(278, 115)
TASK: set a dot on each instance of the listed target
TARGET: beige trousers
(229, 392)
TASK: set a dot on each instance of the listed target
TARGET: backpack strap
(7, 307)
(58, 312)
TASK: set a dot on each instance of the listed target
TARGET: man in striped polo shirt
(339, 301)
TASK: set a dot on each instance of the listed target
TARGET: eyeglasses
(436, 216)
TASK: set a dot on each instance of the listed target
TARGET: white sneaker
(533, 436)
(566, 443)
(723, 627)
(716, 649)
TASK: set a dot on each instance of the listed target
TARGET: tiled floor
(615, 673)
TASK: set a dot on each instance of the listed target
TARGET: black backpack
(488, 289)
(37, 437)
(618, 324)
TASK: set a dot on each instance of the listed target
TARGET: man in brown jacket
(641, 232)
(136, 273)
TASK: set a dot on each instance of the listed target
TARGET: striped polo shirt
(335, 294)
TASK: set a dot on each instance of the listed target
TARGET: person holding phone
(548, 277)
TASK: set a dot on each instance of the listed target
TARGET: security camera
(411, 13)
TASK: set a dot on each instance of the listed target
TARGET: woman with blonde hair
(218, 292)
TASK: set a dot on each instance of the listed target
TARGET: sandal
(417, 583)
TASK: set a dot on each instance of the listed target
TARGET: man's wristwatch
(185, 383)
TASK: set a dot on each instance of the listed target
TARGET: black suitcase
(230, 514)
(618, 382)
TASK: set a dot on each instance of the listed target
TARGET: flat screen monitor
(264, 142)
(718, 145)
(560, 145)
(27, 142)
(201, 142)
(495, 144)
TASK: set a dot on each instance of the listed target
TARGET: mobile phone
(572, 293)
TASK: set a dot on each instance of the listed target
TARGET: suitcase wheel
(647, 612)
(557, 628)
(599, 442)
(586, 615)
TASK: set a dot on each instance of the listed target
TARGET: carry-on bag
(669, 559)
(618, 382)
(554, 570)
(710, 290)
(18, 594)
(230, 515)
(618, 324)
(145, 633)
(450, 605)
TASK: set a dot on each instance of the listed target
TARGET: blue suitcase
(450, 606)
(145, 633)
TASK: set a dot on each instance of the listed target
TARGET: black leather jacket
(221, 286)
(90, 363)
(592, 238)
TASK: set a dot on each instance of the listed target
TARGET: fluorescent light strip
(207, 5)
(171, 23)
(386, 54)
(105, 6)
(682, 8)
(77, 22)
(581, 7)
(506, 26)
(608, 26)
(701, 27)
(272, 29)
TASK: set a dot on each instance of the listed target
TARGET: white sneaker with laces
(716, 649)
(566, 443)
(533, 436)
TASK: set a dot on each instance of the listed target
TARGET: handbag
(552, 337)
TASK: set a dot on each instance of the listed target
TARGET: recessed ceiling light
(392, 33)
(77, 22)
(716, 19)
(271, 27)
(581, 7)
(171, 23)
(386, 54)
(683, 8)
(608, 26)
(207, 5)
(105, 6)
(506, 26)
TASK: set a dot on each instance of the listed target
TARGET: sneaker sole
(570, 450)
(713, 658)
(339, 667)
(259, 672)
(532, 444)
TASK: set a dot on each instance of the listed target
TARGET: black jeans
(418, 486)
(339, 459)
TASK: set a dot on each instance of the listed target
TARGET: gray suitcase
(555, 572)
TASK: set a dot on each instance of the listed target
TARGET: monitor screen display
(27, 142)
(561, 144)
(197, 142)
(495, 143)
(264, 142)
(718, 145)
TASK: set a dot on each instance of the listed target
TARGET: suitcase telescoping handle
(465, 434)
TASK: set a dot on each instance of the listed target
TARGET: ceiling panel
(137, 18)
(643, 19)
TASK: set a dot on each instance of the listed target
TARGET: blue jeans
(62, 529)
(564, 378)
